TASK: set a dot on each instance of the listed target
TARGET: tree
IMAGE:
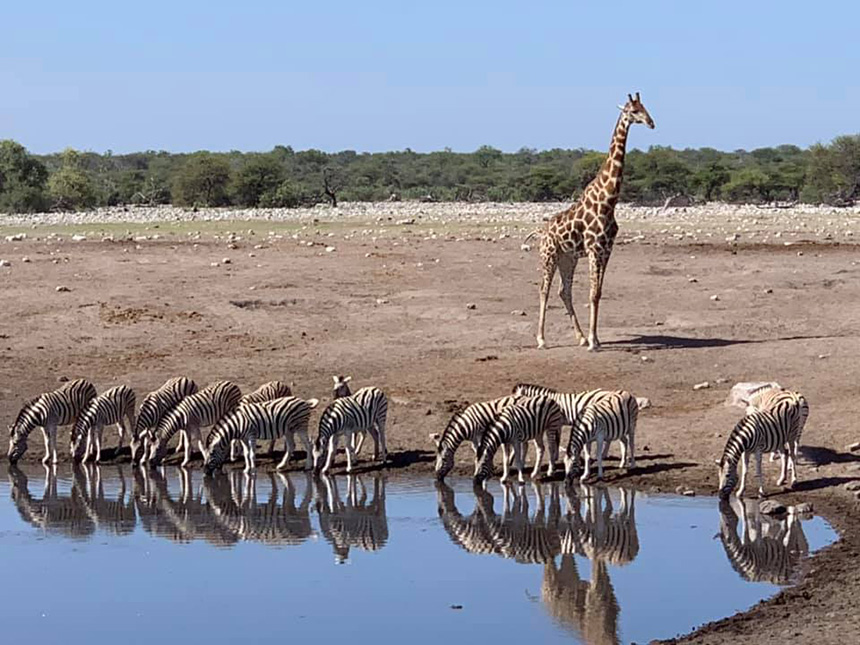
(586, 168)
(330, 185)
(708, 181)
(70, 187)
(261, 176)
(487, 155)
(22, 180)
(748, 185)
(202, 181)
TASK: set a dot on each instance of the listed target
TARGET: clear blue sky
(383, 75)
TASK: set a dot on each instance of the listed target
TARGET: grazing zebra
(776, 399)
(113, 406)
(60, 407)
(529, 419)
(364, 411)
(574, 404)
(153, 407)
(769, 549)
(284, 417)
(266, 392)
(613, 418)
(356, 522)
(200, 410)
(759, 431)
(467, 425)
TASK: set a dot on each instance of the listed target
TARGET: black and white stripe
(285, 417)
(768, 549)
(153, 408)
(356, 522)
(266, 392)
(364, 411)
(468, 425)
(613, 418)
(532, 419)
(758, 432)
(780, 401)
(200, 410)
(52, 409)
(341, 386)
(113, 406)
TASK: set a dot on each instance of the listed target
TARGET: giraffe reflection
(590, 527)
(768, 549)
(355, 522)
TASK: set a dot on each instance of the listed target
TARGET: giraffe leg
(597, 269)
(548, 274)
(566, 268)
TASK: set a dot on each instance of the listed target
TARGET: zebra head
(574, 451)
(444, 457)
(728, 478)
(17, 445)
(219, 452)
(78, 439)
(341, 386)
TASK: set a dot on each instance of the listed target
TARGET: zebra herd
(531, 414)
(177, 407)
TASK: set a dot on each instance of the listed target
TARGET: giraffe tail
(537, 231)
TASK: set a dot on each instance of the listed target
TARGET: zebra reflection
(590, 527)
(54, 513)
(355, 521)
(768, 549)
(233, 502)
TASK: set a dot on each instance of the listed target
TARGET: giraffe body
(587, 229)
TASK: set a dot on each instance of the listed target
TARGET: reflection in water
(355, 522)
(768, 549)
(222, 510)
(588, 528)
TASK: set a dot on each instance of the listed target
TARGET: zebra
(529, 419)
(60, 407)
(153, 408)
(769, 550)
(757, 432)
(205, 408)
(113, 406)
(774, 398)
(366, 410)
(266, 392)
(467, 425)
(284, 417)
(356, 522)
(610, 419)
(574, 404)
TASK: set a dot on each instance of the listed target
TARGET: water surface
(103, 554)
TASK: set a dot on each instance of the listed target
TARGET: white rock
(18, 237)
(715, 298)
(518, 312)
(78, 238)
(25, 260)
(854, 447)
(62, 289)
(646, 359)
(226, 261)
(5, 263)
(525, 247)
(381, 301)
(330, 249)
(702, 386)
(471, 305)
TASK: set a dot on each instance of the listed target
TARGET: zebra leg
(538, 459)
(793, 462)
(121, 431)
(289, 446)
(521, 462)
(744, 466)
(623, 444)
(506, 466)
(187, 457)
(380, 431)
(97, 432)
(586, 457)
(272, 447)
(332, 447)
(252, 457)
(180, 444)
(600, 445)
(349, 456)
(309, 460)
(631, 447)
(758, 457)
(47, 436)
(358, 443)
(783, 466)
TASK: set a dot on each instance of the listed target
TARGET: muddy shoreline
(391, 309)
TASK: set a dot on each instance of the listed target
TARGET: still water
(113, 554)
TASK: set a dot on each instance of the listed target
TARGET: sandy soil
(390, 308)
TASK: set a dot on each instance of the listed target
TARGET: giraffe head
(636, 112)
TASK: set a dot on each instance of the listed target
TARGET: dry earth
(388, 305)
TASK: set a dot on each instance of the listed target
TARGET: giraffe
(587, 228)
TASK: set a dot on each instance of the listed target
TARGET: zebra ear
(347, 379)
(435, 437)
(335, 379)
(312, 403)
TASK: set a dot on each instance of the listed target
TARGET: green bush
(22, 180)
(70, 187)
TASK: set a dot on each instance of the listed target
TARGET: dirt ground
(391, 310)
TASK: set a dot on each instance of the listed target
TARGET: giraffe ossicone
(588, 229)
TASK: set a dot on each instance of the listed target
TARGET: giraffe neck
(613, 167)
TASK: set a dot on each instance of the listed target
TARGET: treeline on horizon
(285, 178)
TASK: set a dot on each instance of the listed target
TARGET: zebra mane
(530, 389)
